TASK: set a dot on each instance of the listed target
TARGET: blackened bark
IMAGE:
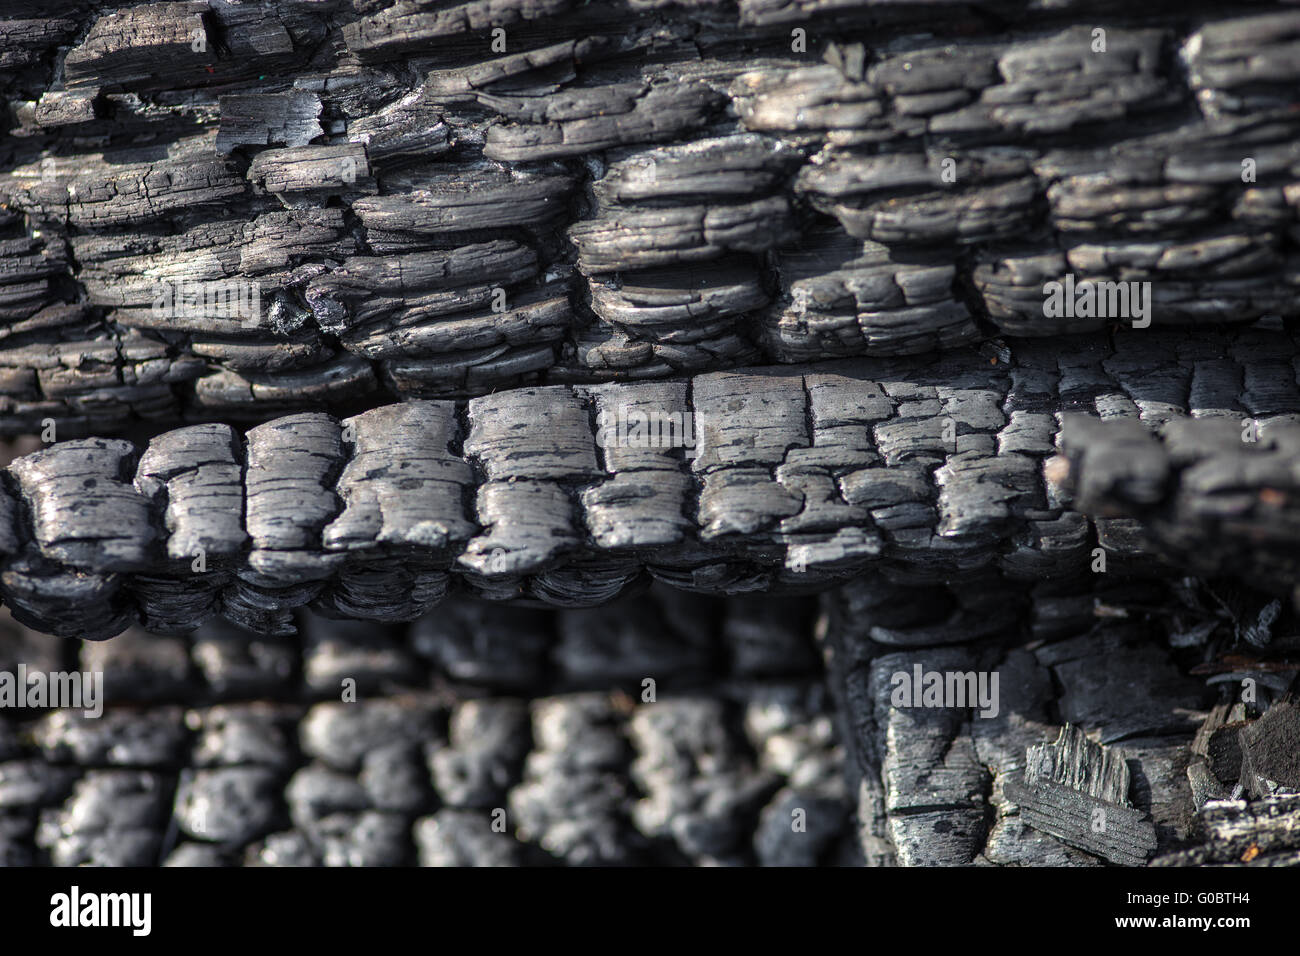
(443, 200)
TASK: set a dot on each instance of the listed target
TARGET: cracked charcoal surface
(954, 786)
(229, 748)
(611, 192)
(647, 194)
(244, 757)
(1219, 492)
(795, 478)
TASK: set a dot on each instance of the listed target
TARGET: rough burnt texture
(215, 209)
(665, 729)
(1220, 494)
(738, 297)
(1135, 724)
(925, 470)
(484, 736)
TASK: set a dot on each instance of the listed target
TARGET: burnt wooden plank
(1078, 791)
